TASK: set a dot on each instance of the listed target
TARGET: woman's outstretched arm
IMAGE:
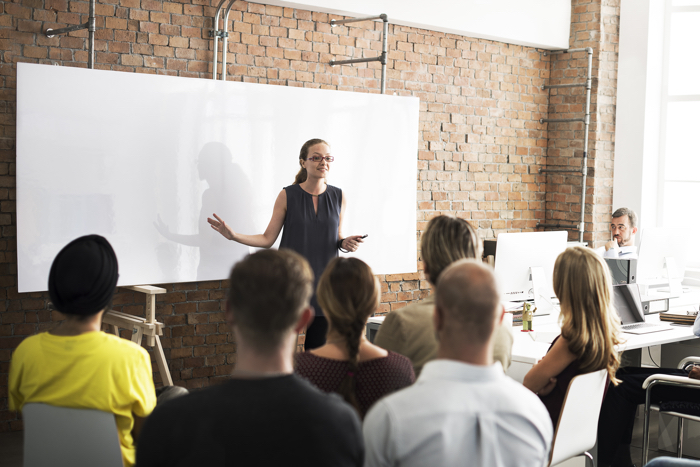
(265, 240)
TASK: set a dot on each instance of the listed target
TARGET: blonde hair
(446, 240)
(303, 155)
(348, 294)
(589, 322)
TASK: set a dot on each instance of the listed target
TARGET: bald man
(462, 408)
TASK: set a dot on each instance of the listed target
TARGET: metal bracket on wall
(586, 123)
(217, 34)
(90, 26)
(381, 58)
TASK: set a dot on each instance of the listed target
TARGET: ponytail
(348, 293)
(301, 176)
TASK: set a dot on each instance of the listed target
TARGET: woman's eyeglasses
(320, 158)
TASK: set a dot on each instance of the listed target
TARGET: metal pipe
(354, 60)
(586, 123)
(91, 35)
(565, 226)
(645, 432)
(555, 120)
(679, 449)
(335, 22)
(551, 86)
(215, 33)
(565, 51)
(225, 42)
(385, 50)
(385, 47)
(559, 171)
(89, 25)
(56, 32)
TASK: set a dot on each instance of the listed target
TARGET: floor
(11, 446)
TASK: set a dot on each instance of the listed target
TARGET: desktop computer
(623, 271)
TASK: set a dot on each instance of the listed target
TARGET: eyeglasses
(320, 158)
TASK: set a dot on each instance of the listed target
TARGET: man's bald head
(469, 302)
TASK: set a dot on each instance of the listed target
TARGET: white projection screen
(144, 159)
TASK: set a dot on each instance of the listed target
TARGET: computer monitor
(516, 253)
(658, 243)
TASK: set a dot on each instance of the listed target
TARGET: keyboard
(639, 326)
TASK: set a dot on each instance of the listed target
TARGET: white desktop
(524, 265)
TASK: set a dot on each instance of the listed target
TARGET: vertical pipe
(91, 35)
(680, 438)
(586, 123)
(647, 415)
(216, 39)
(385, 48)
(225, 43)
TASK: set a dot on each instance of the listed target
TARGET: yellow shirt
(94, 370)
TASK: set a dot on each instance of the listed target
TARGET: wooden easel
(140, 327)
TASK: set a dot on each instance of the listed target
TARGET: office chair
(59, 436)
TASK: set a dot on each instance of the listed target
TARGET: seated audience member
(622, 229)
(590, 328)
(76, 365)
(265, 414)
(617, 414)
(409, 331)
(462, 410)
(348, 363)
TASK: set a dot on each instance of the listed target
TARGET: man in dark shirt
(264, 415)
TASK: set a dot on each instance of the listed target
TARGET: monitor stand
(541, 292)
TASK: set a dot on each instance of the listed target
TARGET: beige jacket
(409, 332)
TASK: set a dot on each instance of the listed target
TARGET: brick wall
(594, 24)
(480, 144)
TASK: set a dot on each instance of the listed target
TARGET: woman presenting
(312, 213)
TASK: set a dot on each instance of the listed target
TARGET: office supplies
(628, 305)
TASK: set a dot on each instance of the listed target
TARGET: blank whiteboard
(144, 159)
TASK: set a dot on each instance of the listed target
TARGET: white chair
(577, 429)
(669, 380)
(59, 436)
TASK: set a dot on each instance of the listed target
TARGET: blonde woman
(348, 363)
(590, 328)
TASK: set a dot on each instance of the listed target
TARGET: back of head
(468, 298)
(348, 293)
(583, 285)
(447, 239)
(83, 276)
(268, 291)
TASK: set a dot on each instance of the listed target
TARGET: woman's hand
(351, 243)
(548, 388)
(220, 226)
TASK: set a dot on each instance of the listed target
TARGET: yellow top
(94, 370)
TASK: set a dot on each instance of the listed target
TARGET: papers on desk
(546, 337)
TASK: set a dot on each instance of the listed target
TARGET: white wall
(536, 23)
(638, 110)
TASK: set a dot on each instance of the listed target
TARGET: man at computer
(623, 227)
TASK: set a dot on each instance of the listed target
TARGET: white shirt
(624, 252)
(458, 414)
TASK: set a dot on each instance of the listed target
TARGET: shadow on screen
(228, 195)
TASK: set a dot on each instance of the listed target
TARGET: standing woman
(311, 212)
(590, 328)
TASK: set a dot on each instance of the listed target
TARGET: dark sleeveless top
(312, 235)
(555, 399)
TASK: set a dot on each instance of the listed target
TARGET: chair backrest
(578, 423)
(59, 436)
